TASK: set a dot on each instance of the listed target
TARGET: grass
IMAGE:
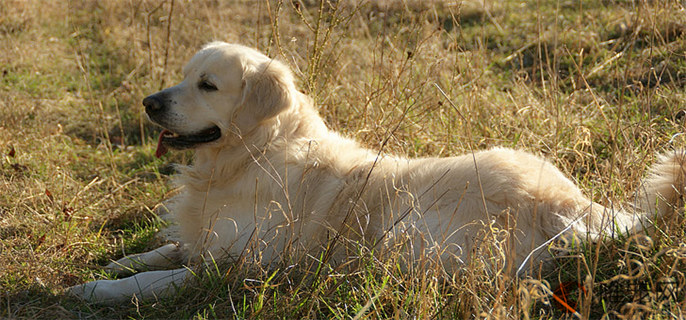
(596, 86)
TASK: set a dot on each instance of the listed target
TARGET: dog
(269, 180)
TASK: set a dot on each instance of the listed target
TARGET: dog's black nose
(153, 104)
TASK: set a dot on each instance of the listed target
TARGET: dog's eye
(206, 86)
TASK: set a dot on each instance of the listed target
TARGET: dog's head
(228, 90)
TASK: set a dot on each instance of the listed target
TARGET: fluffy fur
(279, 183)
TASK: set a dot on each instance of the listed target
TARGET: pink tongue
(161, 149)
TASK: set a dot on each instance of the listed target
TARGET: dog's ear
(266, 93)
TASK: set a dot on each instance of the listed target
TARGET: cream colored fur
(279, 183)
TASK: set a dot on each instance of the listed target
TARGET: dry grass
(595, 86)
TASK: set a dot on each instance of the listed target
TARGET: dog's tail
(661, 193)
(656, 202)
(659, 197)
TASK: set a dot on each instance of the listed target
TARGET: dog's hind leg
(164, 257)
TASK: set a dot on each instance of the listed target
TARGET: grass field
(597, 87)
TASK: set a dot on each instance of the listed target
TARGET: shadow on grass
(37, 302)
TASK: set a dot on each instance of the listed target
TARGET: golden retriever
(270, 180)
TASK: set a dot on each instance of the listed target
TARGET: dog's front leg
(164, 257)
(144, 285)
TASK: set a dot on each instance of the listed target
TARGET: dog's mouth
(169, 139)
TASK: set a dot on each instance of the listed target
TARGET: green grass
(597, 87)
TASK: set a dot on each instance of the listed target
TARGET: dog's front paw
(125, 266)
(169, 255)
(95, 291)
(144, 285)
